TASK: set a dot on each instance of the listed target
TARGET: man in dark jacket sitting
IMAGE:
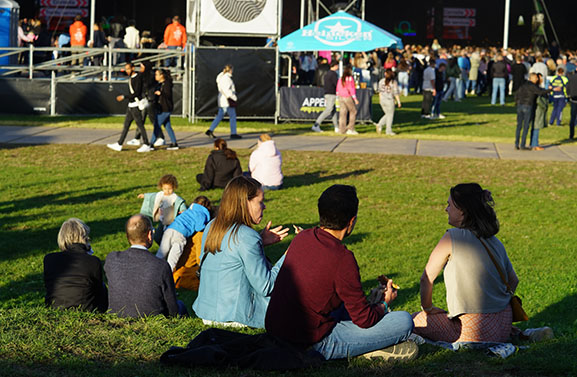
(139, 283)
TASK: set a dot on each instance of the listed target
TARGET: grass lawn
(473, 119)
(401, 218)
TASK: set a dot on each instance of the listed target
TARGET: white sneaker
(134, 142)
(391, 133)
(441, 116)
(144, 148)
(426, 116)
(159, 142)
(538, 334)
(115, 147)
(404, 351)
(336, 130)
(316, 128)
(352, 132)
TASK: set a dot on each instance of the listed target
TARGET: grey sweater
(139, 284)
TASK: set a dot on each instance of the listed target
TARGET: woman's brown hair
(233, 211)
(220, 145)
(347, 71)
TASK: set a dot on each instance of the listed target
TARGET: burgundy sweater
(318, 275)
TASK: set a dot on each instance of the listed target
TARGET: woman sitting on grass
(221, 166)
(73, 277)
(236, 278)
(477, 298)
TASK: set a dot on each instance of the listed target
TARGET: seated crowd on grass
(312, 296)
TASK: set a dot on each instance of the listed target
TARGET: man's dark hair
(137, 228)
(337, 206)
(333, 63)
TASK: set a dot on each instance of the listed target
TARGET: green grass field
(401, 218)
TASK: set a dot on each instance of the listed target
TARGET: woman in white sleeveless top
(478, 308)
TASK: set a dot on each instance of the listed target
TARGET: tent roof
(338, 32)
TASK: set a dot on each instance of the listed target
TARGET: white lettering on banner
(341, 33)
(313, 105)
(63, 12)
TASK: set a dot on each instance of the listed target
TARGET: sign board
(63, 12)
(459, 21)
(64, 3)
(459, 12)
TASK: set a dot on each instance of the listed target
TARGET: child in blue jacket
(193, 220)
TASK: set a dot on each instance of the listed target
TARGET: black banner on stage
(24, 96)
(307, 102)
(253, 76)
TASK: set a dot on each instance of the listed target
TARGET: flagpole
(506, 26)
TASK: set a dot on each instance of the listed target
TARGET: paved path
(342, 144)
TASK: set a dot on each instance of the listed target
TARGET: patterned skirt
(481, 327)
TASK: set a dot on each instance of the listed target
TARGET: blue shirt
(193, 220)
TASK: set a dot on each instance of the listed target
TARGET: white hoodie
(265, 164)
(226, 89)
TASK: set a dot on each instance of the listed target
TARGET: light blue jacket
(236, 282)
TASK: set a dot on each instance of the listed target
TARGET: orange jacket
(77, 34)
(175, 35)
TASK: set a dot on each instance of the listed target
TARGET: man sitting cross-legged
(140, 284)
(318, 299)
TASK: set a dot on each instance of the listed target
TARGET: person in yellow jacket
(174, 38)
(560, 96)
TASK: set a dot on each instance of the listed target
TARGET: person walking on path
(330, 88)
(174, 39)
(133, 111)
(348, 102)
(165, 107)
(388, 95)
(226, 102)
(559, 97)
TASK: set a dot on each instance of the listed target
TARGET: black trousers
(133, 114)
(151, 112)
(427, 102)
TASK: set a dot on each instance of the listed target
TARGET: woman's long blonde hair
(233, 211)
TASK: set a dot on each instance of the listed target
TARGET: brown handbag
(519, 314)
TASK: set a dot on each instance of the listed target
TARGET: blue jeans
(231, 113)
(498, 84)
(452, 90)
(558, 106)
(437, 104)
(573, 120)
(163, 119)
(348, 340)
(524, 115)
(170, 62)
(535, 137)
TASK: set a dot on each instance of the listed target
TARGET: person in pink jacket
(347, 95)
(265, 164)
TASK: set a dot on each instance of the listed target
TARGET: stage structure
(255, 68)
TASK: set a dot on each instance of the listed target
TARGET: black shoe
(235, 136)
(517, 147)
(172, 147)
(210, 134)
(525, 148)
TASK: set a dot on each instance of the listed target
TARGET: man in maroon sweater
(318, 299)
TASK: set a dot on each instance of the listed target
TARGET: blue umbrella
(339, 31)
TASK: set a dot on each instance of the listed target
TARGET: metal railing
(92, 64)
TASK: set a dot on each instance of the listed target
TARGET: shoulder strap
(501, 274)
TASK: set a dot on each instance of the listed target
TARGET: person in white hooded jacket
(265, 164)
(226, 102)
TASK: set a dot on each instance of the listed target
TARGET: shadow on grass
(22, 243)
(559, 316)
(315, 177)
(63, 197)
